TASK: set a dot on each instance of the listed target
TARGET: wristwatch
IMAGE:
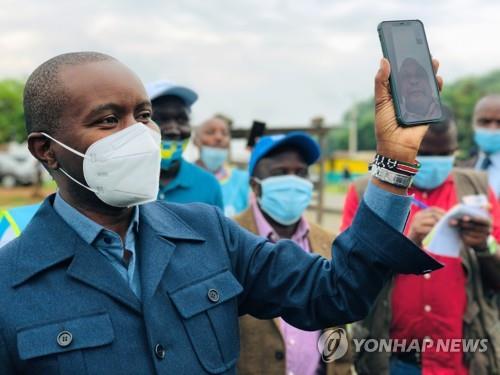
(391, 177)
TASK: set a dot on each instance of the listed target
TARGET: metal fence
(319, 130)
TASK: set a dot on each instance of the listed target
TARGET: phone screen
(413, 83)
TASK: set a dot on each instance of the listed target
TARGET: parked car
(17, 166)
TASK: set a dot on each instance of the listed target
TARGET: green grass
(339, 188)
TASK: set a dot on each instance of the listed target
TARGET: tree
(11, 111)
(460, 96)
(338, 139)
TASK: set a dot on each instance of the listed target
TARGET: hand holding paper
(423, 222)
(474, 231)
(467, 223)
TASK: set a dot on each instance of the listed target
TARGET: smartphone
(413, 83)
(257, 131)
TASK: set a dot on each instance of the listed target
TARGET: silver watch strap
(391, 177)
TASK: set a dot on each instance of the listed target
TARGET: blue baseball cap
(162, 88)
(301, 141)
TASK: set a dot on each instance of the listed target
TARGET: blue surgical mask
(488, 140)
(172, 151)
(213, 157)
(434, 170)
(285, 198)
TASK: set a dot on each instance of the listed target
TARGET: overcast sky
(277, 60)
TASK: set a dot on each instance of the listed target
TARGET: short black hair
(447, 122)
(44, 94)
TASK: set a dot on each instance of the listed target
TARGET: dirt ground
(21, 196)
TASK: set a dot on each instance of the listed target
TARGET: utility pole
(318, 124)
(353, 131)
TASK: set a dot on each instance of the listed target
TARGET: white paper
(476, 200)
(445, 239)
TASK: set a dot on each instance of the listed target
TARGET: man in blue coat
(103, 282)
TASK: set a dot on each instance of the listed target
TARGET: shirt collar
(183, 179)
(266, 230)
(56, 231)
(86, 228)
(223, 174)
(302, 230)
(495, 158)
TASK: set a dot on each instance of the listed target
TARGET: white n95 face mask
(122, 169)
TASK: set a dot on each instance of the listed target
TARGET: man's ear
(40, 147)
(256, 188)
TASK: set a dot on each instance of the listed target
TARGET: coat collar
(247, 220)
(43, 243)
(319, 239)
(166, 223)
(47, 239)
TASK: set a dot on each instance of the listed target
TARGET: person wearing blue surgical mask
(213, 138)
(436, 157)
(437, 188)
(282, 190)
(180, 180)
(486, 124)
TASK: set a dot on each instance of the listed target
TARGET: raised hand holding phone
(393, 141)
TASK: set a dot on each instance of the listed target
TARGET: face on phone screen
(412, 73)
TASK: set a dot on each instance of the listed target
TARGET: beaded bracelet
(397, 166)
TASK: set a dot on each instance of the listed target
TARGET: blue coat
(65, 310)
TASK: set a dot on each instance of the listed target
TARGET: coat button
(213, 295)
(160, 351)
(279, 355)
(64, 339)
